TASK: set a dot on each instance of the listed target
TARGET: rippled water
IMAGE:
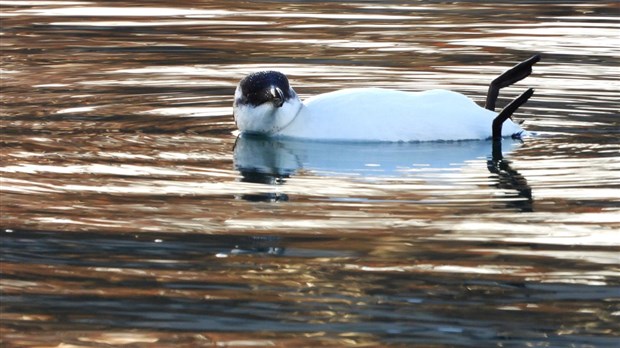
(131, 215)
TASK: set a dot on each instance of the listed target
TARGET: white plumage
(373, 114)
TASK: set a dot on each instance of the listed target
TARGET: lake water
(131, 215)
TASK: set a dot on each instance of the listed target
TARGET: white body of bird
(374, 114)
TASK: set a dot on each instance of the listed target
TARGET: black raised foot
(508, 111)
(509, 77)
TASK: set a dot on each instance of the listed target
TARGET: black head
(263, 87)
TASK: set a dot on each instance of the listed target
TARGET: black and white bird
(266, 104)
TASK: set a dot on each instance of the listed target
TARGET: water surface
(131, 214)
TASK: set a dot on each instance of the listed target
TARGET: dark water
(131, 218)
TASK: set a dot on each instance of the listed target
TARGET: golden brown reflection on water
(131, 218)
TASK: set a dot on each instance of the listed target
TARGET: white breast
(373, 114)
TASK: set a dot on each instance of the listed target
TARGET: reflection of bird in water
(266, 104)
(272, 162)
(510, 179)
(259, 177)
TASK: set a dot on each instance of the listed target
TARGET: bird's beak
(278, 96)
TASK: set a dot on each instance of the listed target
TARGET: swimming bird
(266, 104)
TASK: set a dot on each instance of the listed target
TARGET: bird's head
(265, 103)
